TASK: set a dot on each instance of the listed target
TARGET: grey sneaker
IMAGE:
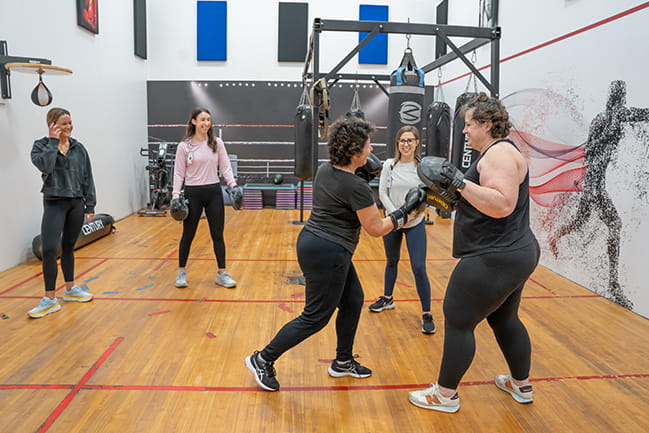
(76, 294)
(224, 279)
(522, 394)
(45, 307)
(181, 279)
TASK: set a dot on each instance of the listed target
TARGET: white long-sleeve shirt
(204, 167)
(394, 183)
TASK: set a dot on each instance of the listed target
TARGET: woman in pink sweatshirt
(199, 159)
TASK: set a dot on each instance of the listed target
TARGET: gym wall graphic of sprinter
(568, 175)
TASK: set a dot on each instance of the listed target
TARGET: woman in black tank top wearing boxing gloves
(497, 251)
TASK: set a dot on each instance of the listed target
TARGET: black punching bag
(303, 142)
(406, 103)
(438, 129)
(461, 154)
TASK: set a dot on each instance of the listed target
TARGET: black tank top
(475, 233)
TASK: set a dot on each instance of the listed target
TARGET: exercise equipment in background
(102, 225)
(356, 110)
(160, 169)
(438, 124)
(304, 138)
(462, 155)
(406, 99)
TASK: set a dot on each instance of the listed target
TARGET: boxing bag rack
(481, 36)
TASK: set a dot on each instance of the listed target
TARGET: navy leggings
(62, 220)
(416, 243)
(487, 286)
(210, 198)
(331, 282)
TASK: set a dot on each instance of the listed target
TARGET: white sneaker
(431, 398)
(522, 394)
(181, 279)
(224, 279)
(76, 294)
(45, 307)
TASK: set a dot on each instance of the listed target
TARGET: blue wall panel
(212, 30)
(376, 52)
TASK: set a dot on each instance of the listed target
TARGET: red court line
(29, 386)
(543, 286)
(560, 38)
(66, 401)
(21, 283)
(342, 387)
(104, 260)
(282, 301)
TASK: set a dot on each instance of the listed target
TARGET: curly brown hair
(489, 109)
(347, 137)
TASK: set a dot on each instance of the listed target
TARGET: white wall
(106, 95)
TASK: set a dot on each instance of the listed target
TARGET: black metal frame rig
(481, 36)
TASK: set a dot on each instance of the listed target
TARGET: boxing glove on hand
(453, 175)
(399, 218)
(236, 196)
(415, 198)
(371, 169)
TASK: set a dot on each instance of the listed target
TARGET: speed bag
(462, 155)
(304, 142)
(406, 104)
(438, 129)
(102, 225)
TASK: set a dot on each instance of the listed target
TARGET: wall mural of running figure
(604, 135)
(574, 210)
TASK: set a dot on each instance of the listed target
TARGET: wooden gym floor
(144, 356)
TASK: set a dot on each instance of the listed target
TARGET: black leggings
(487, 286)
(62, 220)
(331, 282)
(210, 198)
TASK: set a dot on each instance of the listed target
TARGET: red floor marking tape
(66, 401)
(285, 308)
(404, 284)
(209, 334)
(160, 312)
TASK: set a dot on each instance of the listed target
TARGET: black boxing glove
(453, 175)
(371, 169)
(236, 196)
(415, 197)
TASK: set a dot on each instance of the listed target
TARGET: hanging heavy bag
(406, 101)
(355, 110)
(304, 139)
(462, 155)
(438, 129)
(102, 225)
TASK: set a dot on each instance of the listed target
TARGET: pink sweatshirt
(204, 167)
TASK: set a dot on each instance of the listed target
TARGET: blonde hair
(54, 114)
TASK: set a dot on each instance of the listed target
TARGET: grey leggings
(487, 286)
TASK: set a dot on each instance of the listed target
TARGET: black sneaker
(264, 372)
(427, 324)
(352, 368)
(384, 303)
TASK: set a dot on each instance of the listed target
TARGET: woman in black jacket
(68, 198)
